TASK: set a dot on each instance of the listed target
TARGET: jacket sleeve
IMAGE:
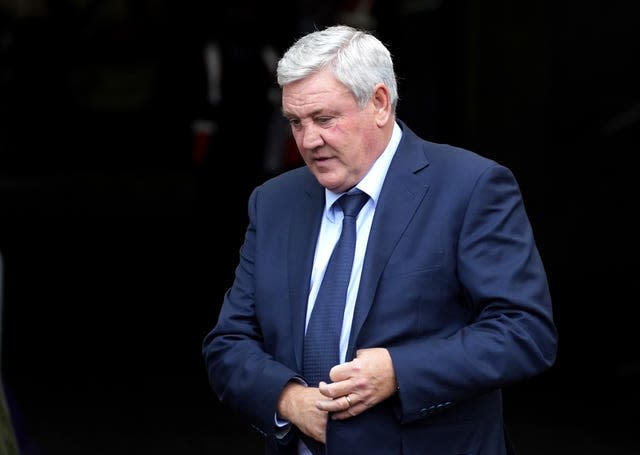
(512, 335)
(242, 374)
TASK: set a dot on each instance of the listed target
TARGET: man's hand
(297, 404)
(357, 385)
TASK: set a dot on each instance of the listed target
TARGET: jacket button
(424, 412)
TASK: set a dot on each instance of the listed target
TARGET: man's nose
(311, 137)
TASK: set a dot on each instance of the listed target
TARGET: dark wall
(117, 247)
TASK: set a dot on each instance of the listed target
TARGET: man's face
(337, 139)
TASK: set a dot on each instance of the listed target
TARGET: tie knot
(352, 203)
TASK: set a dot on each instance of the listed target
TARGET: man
(447, 300)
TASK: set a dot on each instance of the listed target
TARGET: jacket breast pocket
(415, 262)
(421, 301)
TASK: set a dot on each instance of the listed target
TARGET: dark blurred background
(131, 133)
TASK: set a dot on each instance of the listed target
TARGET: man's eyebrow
(315, 113)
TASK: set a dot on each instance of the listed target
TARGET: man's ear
(381, 104)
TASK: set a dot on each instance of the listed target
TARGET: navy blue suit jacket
(452, 285)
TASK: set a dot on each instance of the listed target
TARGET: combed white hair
(357, 59)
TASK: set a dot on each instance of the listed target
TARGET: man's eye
(323, 120)
(295, 123)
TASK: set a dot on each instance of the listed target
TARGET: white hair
(357, 59)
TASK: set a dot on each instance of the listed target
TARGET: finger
(346, 414)
(328, 390)
(337, 405)
(337, 389)
(342, 371)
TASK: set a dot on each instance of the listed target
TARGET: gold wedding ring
(348, 400)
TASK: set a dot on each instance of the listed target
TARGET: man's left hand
(358, 385)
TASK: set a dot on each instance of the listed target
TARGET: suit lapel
(305, 226)
(402, 193)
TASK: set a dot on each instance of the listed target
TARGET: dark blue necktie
(322, 339)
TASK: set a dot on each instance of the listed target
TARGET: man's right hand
(297, 404)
